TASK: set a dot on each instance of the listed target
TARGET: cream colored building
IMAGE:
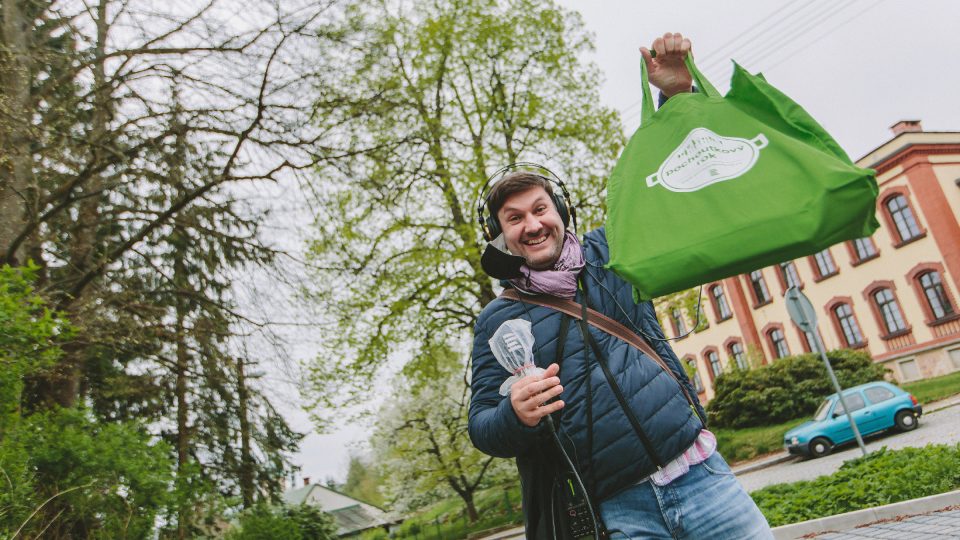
(893, 294)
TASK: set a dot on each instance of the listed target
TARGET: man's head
(524, 206)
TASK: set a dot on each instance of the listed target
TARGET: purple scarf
(561, 280)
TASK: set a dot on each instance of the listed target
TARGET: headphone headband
(490, 226)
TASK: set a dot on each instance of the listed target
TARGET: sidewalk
(932, 526)
(783, 456)
(928, 518)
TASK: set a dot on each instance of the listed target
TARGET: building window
(676, 319)
(714, 360)
(694, 377)
(720, 305)
(903, 218)
(825, 265)
(811, 341)
(908, 370)
(848, 324)
(701, 323)
(738, 355)
(760, 291)
(954, 357)
(778, 342)
(889, 311)
(936, 296)
(790, 276)
(864, 249)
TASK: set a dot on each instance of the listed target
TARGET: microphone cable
(573, 469)
(626, 315)
(551, 427)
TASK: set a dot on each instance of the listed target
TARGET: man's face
(532, 227)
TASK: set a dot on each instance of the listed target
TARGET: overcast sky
(857, 66)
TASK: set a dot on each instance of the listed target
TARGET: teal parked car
(875, 406)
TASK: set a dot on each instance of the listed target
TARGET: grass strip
(882, 477)
(934, 388)
(747, 443)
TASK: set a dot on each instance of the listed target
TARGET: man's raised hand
(529, 395)
(667, 70)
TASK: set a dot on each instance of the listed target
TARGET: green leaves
(86, 478)
(435, 100)
(30, 338)
(421, 441)
(303, 522)
(789, 388)
(882, 477)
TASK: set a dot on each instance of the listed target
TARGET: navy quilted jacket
(616, 458)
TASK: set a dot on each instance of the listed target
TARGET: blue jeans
(705, 503)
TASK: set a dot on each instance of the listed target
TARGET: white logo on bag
(705, 158)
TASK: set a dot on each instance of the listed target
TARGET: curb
(784, 457)
(850, 520)
(508, 534)
(942, 407)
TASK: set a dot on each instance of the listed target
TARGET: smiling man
(531, 225)
(624, 410)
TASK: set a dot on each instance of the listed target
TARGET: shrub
(882, 477)
(64, 473)
(789, 388)
(84, 479)
(266, 522)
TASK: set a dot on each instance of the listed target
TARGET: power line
(869, 6)
(752, 32)
(768, 47)
(790, 17)
(797, 31)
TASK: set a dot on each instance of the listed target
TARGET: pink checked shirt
(699, 451)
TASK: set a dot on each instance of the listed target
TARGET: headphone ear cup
(492, 229)
(562, 209)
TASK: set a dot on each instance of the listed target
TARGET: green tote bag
(712, 186)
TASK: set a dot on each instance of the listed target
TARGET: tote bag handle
(703, 85)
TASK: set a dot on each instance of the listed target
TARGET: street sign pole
(802, 313)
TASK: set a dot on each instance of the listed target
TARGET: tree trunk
(183, 411)
(246, 463)
(472, 514)
(18, 194)
(83, 247)
(466, 494)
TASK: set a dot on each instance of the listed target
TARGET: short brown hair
(511, 183)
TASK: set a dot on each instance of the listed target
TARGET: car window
(855, 401)
(822, 410)
(878, 394)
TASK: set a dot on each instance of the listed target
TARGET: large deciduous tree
(439, 96)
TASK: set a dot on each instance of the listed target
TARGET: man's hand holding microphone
(530, 396)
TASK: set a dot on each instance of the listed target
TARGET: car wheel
(820, 447)
(905, 420)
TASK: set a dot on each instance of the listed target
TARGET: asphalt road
(939, 427)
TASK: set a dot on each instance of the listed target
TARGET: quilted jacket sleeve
(651, 327)
(493, 425)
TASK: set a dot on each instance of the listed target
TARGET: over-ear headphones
(490, 226)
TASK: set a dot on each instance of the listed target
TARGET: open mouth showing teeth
(536, 241)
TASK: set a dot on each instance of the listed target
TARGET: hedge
(789, 388)
(882, 477)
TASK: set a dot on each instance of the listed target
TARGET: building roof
(352, 515)
(904, 141)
